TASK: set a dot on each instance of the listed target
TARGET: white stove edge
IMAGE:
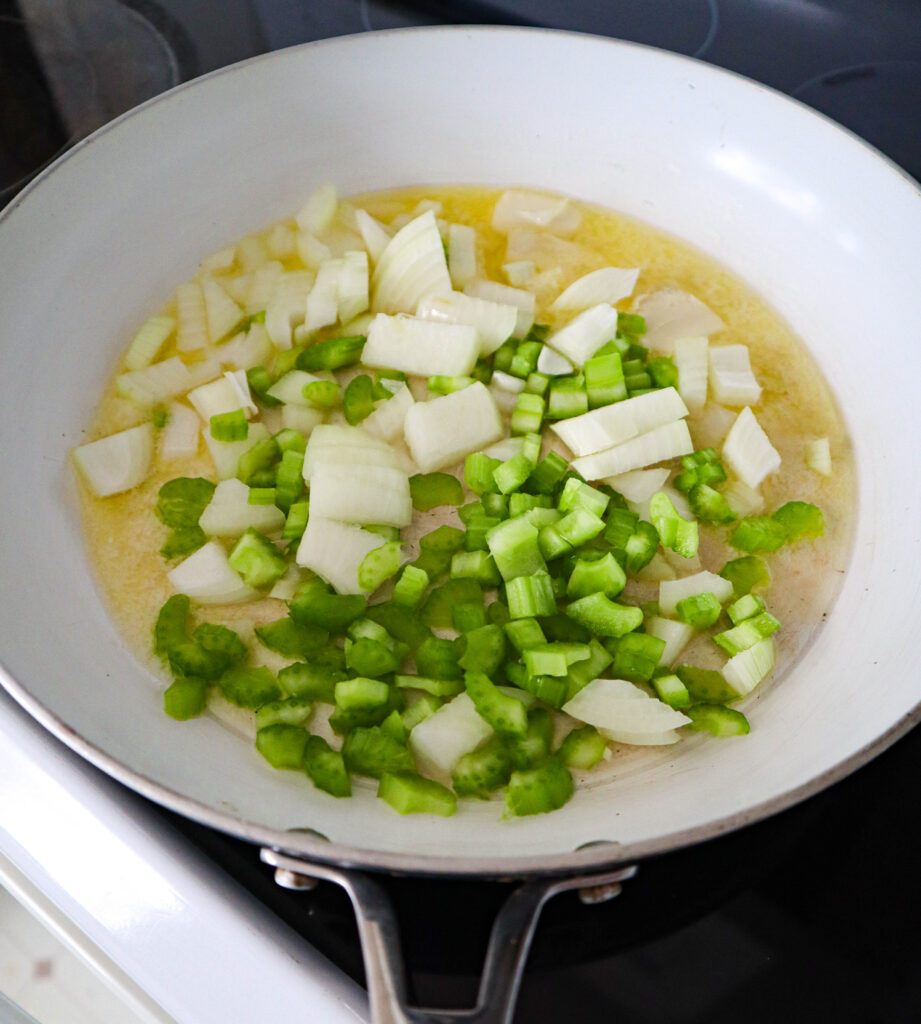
(175, 937)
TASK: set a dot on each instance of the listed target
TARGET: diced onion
(192, 321)
(312, 252)
(252, 252)
(375, 235)
(318, 212)
(118, 462)
(691, 360)
(523, 301)
(441, 740)
(442, 431)
(731, 379)
(671, 314)
(221, 312)
(494, 322)
(146, 345)
(287, 306)
(517, 207)
(411, 267)
(179, 438)
(639, 484)
(156, 383)
(354, 282)
(304, 418)
(424, 347)
(608, 285)
(229, 512)
(673, 591)
(332, 443)
(281, 242)
(552, 363)
(663, 443)
(263, 285)
(818, 456)
(371, 494)
(244, 351)
(677, 635)
(745, 670)
(335, 551)
(221, 396)
(226, 454)
(606, 704)
(223, 259)
(613, 424)
(386, 422)
(581, 338)
(323, 301)
(507, 382)
(462, 261)
(207, 577)
(519, 272)
(743, 500)
(747, 450)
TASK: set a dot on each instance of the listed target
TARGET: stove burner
(873, 100)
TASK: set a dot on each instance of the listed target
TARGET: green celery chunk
(442, 385)
(229, 426)
(258, 462)
(250, 687)
(512, 473)
(717, 719)
(744, 608)
(663, 371)
(546, 660)
(604, 380)
(427, 684)
(526, 751)
(475, 565)
(326, 767)
(547, 474)
(496, 505)
(471, 510)
(551, 690)
(747, 634)
(257, 560)
(481, 772)
(537, 384)
(362, 694)
(288, 711)
(310, 681)
(641, 546)
(401, 623)
(364, 714)
(567, 398)
(438, 658)
(282, 745)
(758, 533)
(182, 541)
(180, 502)
(409, 793)
(530, 596)
(497, 613)
(578, 527)
(292, 639)
(603, 616)
(445, 538)
(519, 503)
(382, 530)
(322, 393)
(581, 673)
(393, 727)
(296, 522)
(524, 361)
(578, 494)
(700, 610)
(358, 400)
(505, 714)
(484, 650)
(379, 565)
(513, 545)
(260, 380)
(602, 575)
(582, 748)
(800, 519)
(261, 496)
(705, 685)
(370, 751)
(478, 473)
(410, 587)
(431, 490)
(709, 505)
(315, 605)
(468, 615)
(524, 633)
(528, 414)
(561, 629)
(186, 697)
(289, 479)
(332, 354)
(290, 440)
(437, 608)
(371, 658)
(636, 657)
(630, 324)
(477, 531)
(746, 573)
(677, 534)
(545, 787)
(700, 467)
(671, 691)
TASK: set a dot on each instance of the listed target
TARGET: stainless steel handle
(506, 954)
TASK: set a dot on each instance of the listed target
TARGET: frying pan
(821, 225)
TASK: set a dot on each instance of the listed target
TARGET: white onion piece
(506, 401)
(247, 350)
(552, 363)
(204, 370)
(340, 240)
(322, 307)
(677, 635)
(286, 307)
(304, 418)
(731, 379)
(146, 344)
(581, 338)
(371, 494)
(506, 382)
(747, 450)
(673, 591)
(223, 259)
(523, 301)
(220, 396)
(613, 424)
(641, 739)
(118, 462)
(656, 570)
(252, 252)
(745, 670)
(158, 382)
(286, 587)
(659, 445)
(332, 443)
(423, 347)
(229, 512)
(639, 484)
(318, 212)
(641, 509)
(238, 287)
(505, 449)
(375, 236)
(207, 577)
(609, 284)
(605, 704)
(444, 430)
(179, 438)
(519, 272)
(353, 285)
(221, 312)
(335, 551)
(226, 454)
(281, 242)
(441, 740)
(517, 207)
(386, 422)
(818, 456)
(290, 388)
(671, 314)
(462, 261)
(412, 266)
(191, 319)
(312, 252)
(691, 361)
(263, 285)
(494, 322)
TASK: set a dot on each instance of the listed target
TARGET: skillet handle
(506, 954)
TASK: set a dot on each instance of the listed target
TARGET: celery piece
(438, 658)
(582, 748)
(534, 746)
(530, 446)
(705, 685)
(260, 380)
(433, 563)
(478, 473)
(545, 787)
(583, 672)
(221, 646)
(630, 323)
(709, 505)
(524, 361)
(496, 505)
(530, 596)
(383, 530)
(250, 687)
(468, 615)
(747, 634)
(524, 634)
(663, 371)
(537, 384)
(603, 616)
(180, 502)
(502, 357)
(578, 527)
(758, 533)
(362, 693)
(431, 490)
(475, 565)
(261, 496)
(409, 793)
(257, 560)
(513, 545)
(636, 657)
(289, 479)
(370, 751)
(678, 534)
(717, 719)
(296, 522)
(601, 575)
(393, 727)
(700, 610)
(477, 530)
(433, 687)
(505, 714)
(700, 467)
(567, 398)
(326, 767)
(512, 473)
(472, 510)
(292, 639)
(365, 715)
(258, 460)
(547, 474)
(332, 354)
(211, 652)
(400, 622)
(371, 658)
(437, 608)
(552, 544)
(620, 526)
(364, 627)
(182, 541)
(288, 711)
(528, 414)
(445, 538)
(578, 494)
(551, 690)
(545, 660)
(604, 380)
(282, 745)
(561, 629)
(410, 587)
(520, 503)
(322, 393)
(358, 400)
(538, 332)
(744, 608)
(379, 565)
(310, 681)
(229, 426)
(481, 772)
(746, 573)
(426, 704)
(314, 605)
(671, 691)
(439, 384)
(186, 697)
(800, 519)
(497, 613)
(484, 650)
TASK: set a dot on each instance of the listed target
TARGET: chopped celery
(747, 634)
(358, 400)
(636, 657)
(581, 673)
(322, 393)
(524, 633)
(182, 541)
(315, 605)
(433, 687)
(582, 748)
(437, 608)
(746, 573)
(699, 610)
(331, 355)
(505, 714)
(468, 615)
(663, 371)
(482, 771)
(288, 711)
(604, 380)
(513, 545)
(250, 687)
(526, 751)
(422, 708)
(578, 494)
(371, 658)
(671, 691)
(717, 719)
(800, 519)
(705, 685)
(601, 575)
(289, 479)
(478, 472)
(430, 490)
(378, 565)
(282, 745)
(180, 502)
(758, 533)
(744, 608)
(296, 521)
(401, 623)
(540, 789)
(484, 650)
(603, 616)
(326, 767)
(528, 414)
(185, 698)
(292, 639)
(709, 505)
(700, 467)
(408, 793)
(676, 533)
(362, 693)
(257, 560)
(229, 426)
(410, 587)
(547, 474)
(438, 658)
(256, 464)
(261, 496)
(512, 473)
(260, 380)
(370, 751)
(475, 565)
(530, 596)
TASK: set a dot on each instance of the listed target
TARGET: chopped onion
(226, 454)
(613, 424)
(523, 301)
(247, 350)
(581, 338)
(441, 740)
(323, 300)
(462, 261)
(335, 551)
(156, 383)
(251, 253)
(287, 306)
(316, 215)
(424, 347)
(221, 260)
(286, 587)
(506, 382)
(191, 318)
(281, 242)
(745, 670)
(747, 450)
(517, 207)
(229, 512)
(641, 739)
(411, 267)
(223, 395)
(743, 500)
(673, 591)
(332, 443)
(312, 252)
(639, 484)
(221, 312)
(375, 235)
(663, 443)
(444, 430)
(608, 285)
(179, 438)
(494, 322)
(118, 462)
(206, 576)
(263, 285)
(371, 494)
(552, 363)
(731, 379)
(606, 704)
(386, 422)
(505, 449)
(148, 341)
(658, 568)
(671, 314)
(677, 635)
(818, 456)
(519, 272)
(353, 285)
(691, 360)
(304, 418)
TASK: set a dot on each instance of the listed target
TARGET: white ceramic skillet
(824, 227)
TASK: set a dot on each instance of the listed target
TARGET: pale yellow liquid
(124, 535)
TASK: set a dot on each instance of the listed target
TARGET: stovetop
(812, 914)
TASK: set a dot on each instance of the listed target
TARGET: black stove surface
(813, 915)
